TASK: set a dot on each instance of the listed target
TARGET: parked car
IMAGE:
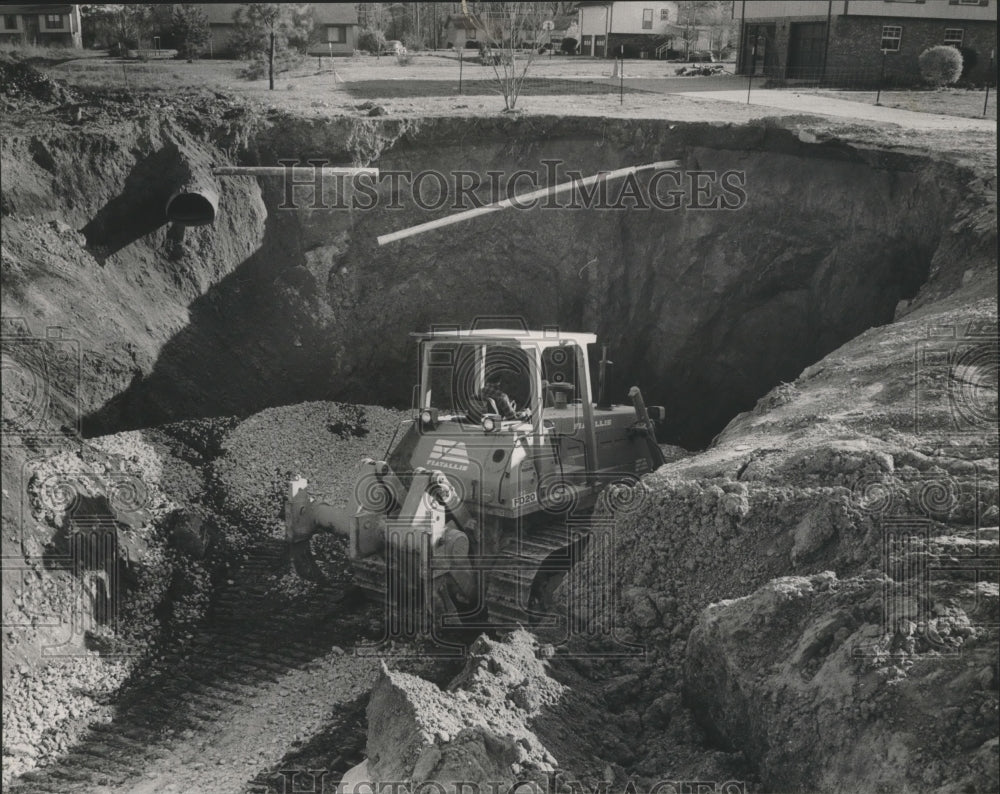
(393, 47)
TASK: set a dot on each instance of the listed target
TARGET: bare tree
(705, 17)
(512, 34)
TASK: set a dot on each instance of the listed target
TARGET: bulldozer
(482, 505)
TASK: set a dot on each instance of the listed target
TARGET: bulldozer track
(209, 689)
(509, 575)
(546, 551)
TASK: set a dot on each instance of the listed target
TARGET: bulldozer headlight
(490, 423)
(657, 413)
(429, 418)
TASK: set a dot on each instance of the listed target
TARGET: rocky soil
(808, 603)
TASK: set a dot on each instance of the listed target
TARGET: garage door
(807, 40)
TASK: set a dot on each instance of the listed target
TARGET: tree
(262, 30)
(189, 30)
(370, 40)
(98, 25)
(514, 31)
(129, 24)
(711, 19)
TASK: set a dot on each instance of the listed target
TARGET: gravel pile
(48, 707)
(324, 442)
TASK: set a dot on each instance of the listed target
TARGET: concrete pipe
(195, 204)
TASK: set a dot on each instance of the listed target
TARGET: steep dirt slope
(878, 464)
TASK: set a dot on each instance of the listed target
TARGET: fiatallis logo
(449, 455)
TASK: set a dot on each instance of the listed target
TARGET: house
(643, 29)
(46, 25)
(459, 29)
(858, 42)
(335, 28)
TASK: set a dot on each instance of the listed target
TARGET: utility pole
(270, 62)
(881, 77)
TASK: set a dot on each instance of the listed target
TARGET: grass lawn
(533, 86)
(964, 102)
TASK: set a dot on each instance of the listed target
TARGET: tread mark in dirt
(250, 639)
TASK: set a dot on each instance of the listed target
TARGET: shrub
(371, 40)
(257, 67)
(941, 65)
(569, 45)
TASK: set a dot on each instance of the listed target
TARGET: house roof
(323, 13)
(49, 8)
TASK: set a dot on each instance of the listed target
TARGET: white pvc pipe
(523, 198)
(295, 170)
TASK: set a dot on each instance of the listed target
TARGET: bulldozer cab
(545, 374)
(536, 370)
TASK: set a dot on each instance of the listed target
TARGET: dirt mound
(19, 80)
(859, 454)
(477, 731)
(803, 676)
(94, 534)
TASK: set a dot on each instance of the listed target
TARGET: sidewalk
(842, 108)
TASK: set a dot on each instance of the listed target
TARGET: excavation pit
(710, 284)
(765, 253)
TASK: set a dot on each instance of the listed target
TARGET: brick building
(842, 41)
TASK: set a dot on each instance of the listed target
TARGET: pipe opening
(192, 208)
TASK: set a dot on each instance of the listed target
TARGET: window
(53, 21)
(892, 35)
(970, 3)
(954, 36)
(664, 15)
(647, 19)
(336, 34)
(10, 21)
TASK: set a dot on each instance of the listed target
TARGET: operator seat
(478, 408)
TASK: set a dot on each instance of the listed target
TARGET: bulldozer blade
(301, 556)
